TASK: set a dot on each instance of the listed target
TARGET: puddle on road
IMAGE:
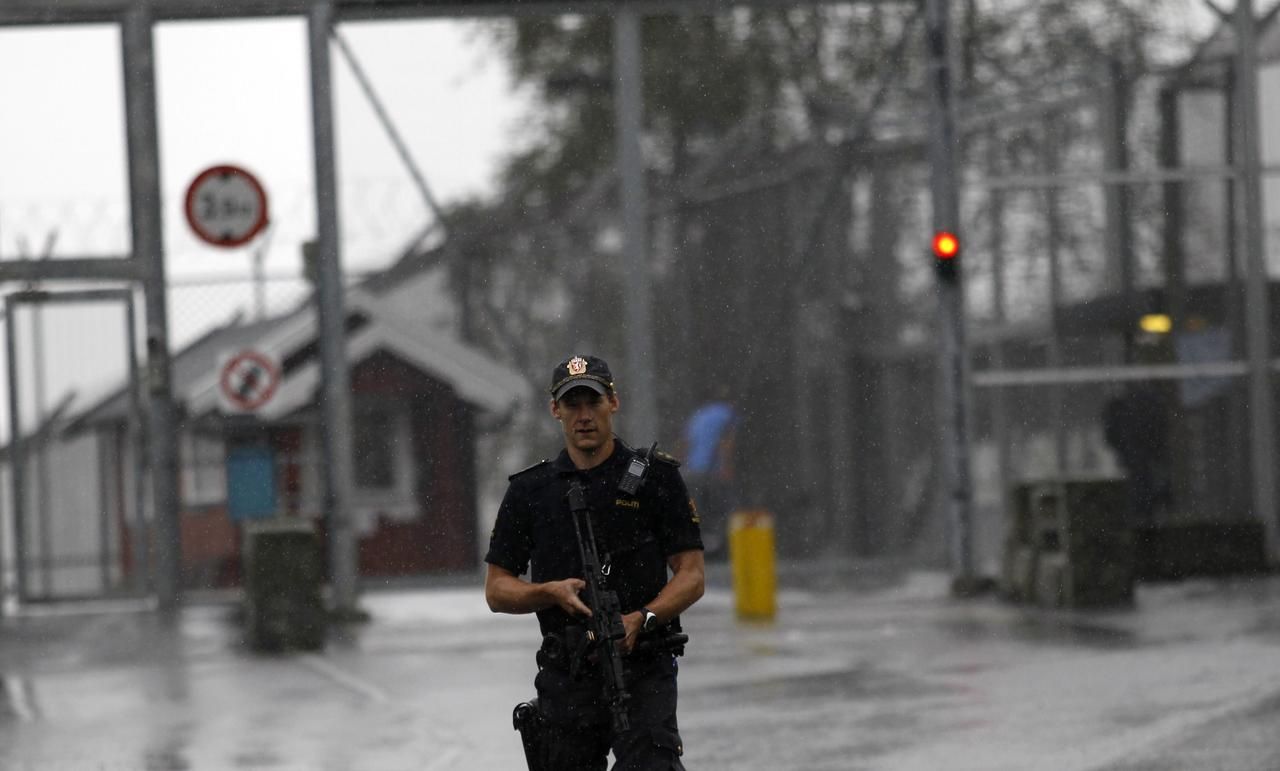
(858, 683)
(256, 759)
(1040, 630)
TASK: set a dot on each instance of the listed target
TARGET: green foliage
(704, 75)
(787, 177)
(794, 75)
(727, 96)
(1017, 44)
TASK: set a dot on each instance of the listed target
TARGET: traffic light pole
(952, 407)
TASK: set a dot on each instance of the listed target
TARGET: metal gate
(77, 502)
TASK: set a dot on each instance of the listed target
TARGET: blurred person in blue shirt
(709, 468)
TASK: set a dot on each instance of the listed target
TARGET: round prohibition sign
(248, 380)
(226, 206)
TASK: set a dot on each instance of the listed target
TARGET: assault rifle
(604, 629)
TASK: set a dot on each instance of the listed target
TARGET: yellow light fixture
(1156, 323)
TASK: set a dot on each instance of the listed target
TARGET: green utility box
(1069, 544)
(284, 573)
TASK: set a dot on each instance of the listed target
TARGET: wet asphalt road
(859, 671)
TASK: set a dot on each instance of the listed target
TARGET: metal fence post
(335, 400)
(147, 232)
(1257, 314)
(17, 456)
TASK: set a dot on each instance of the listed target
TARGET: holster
(667, 640)
(568, 651)
(528, 720)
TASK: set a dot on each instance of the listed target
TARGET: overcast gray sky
(232, 92)
(238, 92)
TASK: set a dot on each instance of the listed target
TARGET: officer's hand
(631, 624)
(565, 594)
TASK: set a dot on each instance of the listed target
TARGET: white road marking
(1131, 744)
(450, 752)
(345, 678)
(17, 689)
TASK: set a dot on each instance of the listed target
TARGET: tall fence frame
(1242, 173)
(145, 266)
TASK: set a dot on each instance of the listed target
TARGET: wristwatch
(650, 622)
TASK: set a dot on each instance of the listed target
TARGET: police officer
(649, 545)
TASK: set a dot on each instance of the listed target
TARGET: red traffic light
(945, 245)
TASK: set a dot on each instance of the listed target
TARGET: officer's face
(587, 418)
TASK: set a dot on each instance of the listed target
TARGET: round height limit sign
(226, 206)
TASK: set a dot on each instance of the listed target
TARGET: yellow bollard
(751, 557)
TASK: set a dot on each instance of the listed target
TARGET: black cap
(589, 371)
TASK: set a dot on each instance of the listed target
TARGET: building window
(374, 446)
(204, 470)
(383, 467)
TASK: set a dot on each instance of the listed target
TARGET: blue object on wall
(251, 482)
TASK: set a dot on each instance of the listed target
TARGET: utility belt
(570, 651)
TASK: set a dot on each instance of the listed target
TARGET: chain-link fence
(382, 218)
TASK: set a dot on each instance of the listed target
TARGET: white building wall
(424, 300)
(1202, 121)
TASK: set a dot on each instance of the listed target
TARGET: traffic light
(946, 256)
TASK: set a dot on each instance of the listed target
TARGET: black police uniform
(635, 534)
